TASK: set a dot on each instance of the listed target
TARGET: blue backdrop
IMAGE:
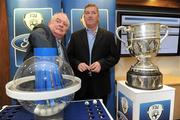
(19, 27)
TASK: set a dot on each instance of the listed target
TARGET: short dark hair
(91, 5)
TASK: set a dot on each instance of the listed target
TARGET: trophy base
(146, 81)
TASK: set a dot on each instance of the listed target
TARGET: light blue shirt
(91, 35)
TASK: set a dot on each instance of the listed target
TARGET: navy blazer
(42, 37)
(104, 50)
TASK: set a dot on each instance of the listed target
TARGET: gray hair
(61, 13)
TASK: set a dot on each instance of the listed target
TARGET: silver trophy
(143, 42)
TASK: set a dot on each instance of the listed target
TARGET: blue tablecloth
(76, 110)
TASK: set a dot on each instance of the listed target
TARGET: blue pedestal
(137, 104)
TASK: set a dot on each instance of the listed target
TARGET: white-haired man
(49, 36)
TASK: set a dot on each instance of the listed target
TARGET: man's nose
(61, 24)
(90, 15)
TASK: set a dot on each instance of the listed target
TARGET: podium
(137, 104)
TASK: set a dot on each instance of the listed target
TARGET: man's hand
(95, 67)
(83, 67)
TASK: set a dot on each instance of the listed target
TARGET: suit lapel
(85, 41)
(84, 38)
(97, 40)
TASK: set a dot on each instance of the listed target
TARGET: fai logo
(32, 19)
(155, 111)
(124, 104)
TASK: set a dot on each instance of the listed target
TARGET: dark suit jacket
(41, 37)
(104, 50)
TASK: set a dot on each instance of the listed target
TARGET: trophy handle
(123, 28)
(165, 27)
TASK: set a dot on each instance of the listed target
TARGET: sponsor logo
(20, 42)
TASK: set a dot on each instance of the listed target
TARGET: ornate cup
(144, 43)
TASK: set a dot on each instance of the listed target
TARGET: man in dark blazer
(92, 52)
(50, 36)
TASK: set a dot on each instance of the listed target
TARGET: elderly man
(50, 36)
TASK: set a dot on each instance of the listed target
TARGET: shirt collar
(88, 29)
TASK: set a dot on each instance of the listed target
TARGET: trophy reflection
(143, 42)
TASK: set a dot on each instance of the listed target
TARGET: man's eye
(65, 24)
(86, 13)
(58, 20)
(93, 12)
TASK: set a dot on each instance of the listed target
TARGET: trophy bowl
(143, 43)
